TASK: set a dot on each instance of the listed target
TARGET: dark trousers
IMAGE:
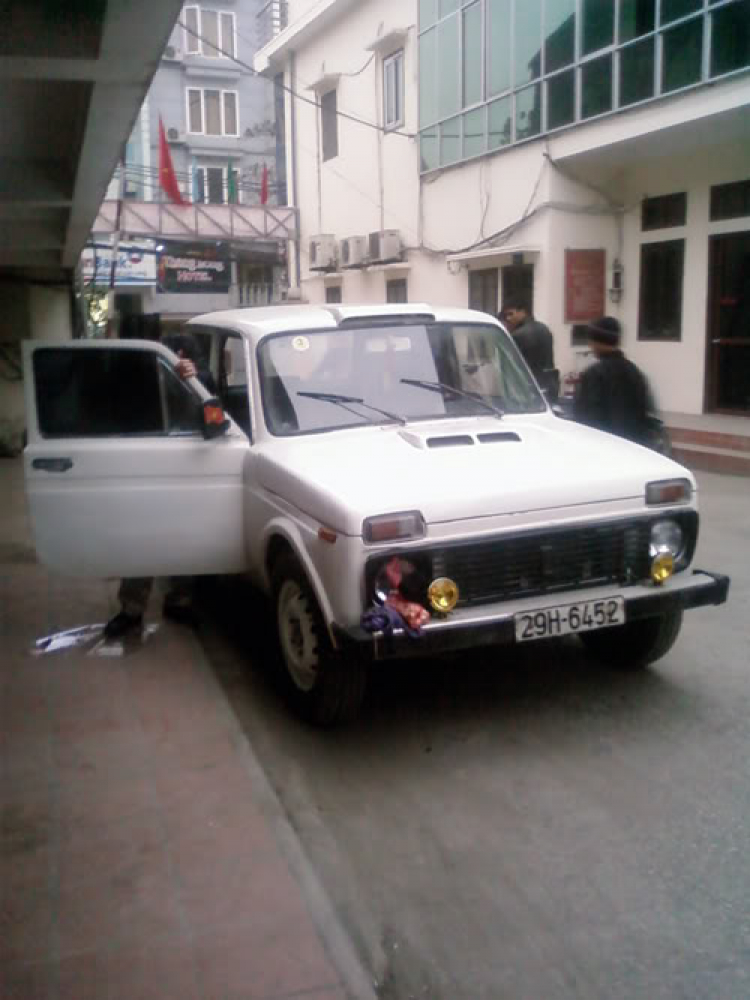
(135, 591)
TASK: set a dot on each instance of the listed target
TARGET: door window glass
(183, 409)
(97, 393)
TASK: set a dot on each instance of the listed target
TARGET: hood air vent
(449, 441)
(491, 437)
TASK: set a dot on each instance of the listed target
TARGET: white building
(508, 133)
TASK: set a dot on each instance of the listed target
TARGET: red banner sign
(585, 272)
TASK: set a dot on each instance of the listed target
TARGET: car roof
(257, 322)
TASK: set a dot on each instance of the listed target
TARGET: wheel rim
(299, 642)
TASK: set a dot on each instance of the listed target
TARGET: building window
(210, 33)
(329, 125)
(215, 185)
(333, 293)
(660, 307)
(532, 66)
(396, 290)
(664, 212)
(730, 201)
(212, 112)
(393, 90)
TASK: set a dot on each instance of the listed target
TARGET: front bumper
(492, 624)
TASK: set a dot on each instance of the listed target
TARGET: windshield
(388, 374)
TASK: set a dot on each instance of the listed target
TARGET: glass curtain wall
(497, 72)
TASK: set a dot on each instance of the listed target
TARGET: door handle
(53, 464)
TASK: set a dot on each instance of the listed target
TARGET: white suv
(370, 453)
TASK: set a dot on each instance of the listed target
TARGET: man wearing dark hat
(613, 394)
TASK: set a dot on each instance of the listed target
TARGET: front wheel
(635, 644)
(320, 685)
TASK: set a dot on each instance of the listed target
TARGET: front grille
(544, 562)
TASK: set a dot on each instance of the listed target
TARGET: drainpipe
(293, 142)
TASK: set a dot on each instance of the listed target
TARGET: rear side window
(103, 393)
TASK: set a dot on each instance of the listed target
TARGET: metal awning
(487, 255)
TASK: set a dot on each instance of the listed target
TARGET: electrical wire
(301, 97)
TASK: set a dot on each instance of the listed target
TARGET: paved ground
(530, 825)
(143, 855)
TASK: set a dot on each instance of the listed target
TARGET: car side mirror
(215, 422)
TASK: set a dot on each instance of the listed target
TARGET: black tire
(635, 644)
(320, 685)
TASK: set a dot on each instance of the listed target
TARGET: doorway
(518, 282)
(728, 341)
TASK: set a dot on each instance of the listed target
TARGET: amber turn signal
(662, 567)
(443, 595)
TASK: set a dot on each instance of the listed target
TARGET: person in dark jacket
(535, 342)
(613, 394)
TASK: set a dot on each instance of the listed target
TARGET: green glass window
(429, 149)
(730, 38)
(672, 9)
(598, 24)
(500, 118)
(450, 141)
(448, 7)
(474, 133)
(427, 13)
(637, 72)
(527, 41)
(498, 46)
(472, 91)
(637, 17)
(447, 67)
(596, 87)
(561, 99)
(559, 34)
(528, 112)
(428, 104)
(682, 55)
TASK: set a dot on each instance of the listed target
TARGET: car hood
(450, 470)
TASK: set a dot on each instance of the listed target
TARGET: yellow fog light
(662, 567)
(443, 595)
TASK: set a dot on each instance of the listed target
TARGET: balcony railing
(272, 19)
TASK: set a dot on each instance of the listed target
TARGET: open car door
(120, 479)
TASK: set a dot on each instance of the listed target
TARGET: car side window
(97, 392)
(233, 380)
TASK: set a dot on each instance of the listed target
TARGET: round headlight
(667, 537)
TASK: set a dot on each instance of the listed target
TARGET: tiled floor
(134, 861)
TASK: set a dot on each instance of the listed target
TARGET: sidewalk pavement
(142, 854)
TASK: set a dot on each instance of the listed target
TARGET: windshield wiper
(334, 397)
(443, 388)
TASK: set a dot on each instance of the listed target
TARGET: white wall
(545, 189)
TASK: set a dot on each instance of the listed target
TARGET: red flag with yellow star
(167, 178)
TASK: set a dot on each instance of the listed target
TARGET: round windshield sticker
(300, 343)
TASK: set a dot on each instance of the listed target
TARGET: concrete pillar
(26, 311)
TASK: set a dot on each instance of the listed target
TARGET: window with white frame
(393, 90)
(212, 112)
(210, 33)
(215, 185)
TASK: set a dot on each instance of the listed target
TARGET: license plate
(567, 619)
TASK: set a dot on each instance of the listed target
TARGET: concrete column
(26, 311)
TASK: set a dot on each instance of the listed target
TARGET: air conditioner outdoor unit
(354, 251)
(322, 253)
(385, 246)
(170, 52)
